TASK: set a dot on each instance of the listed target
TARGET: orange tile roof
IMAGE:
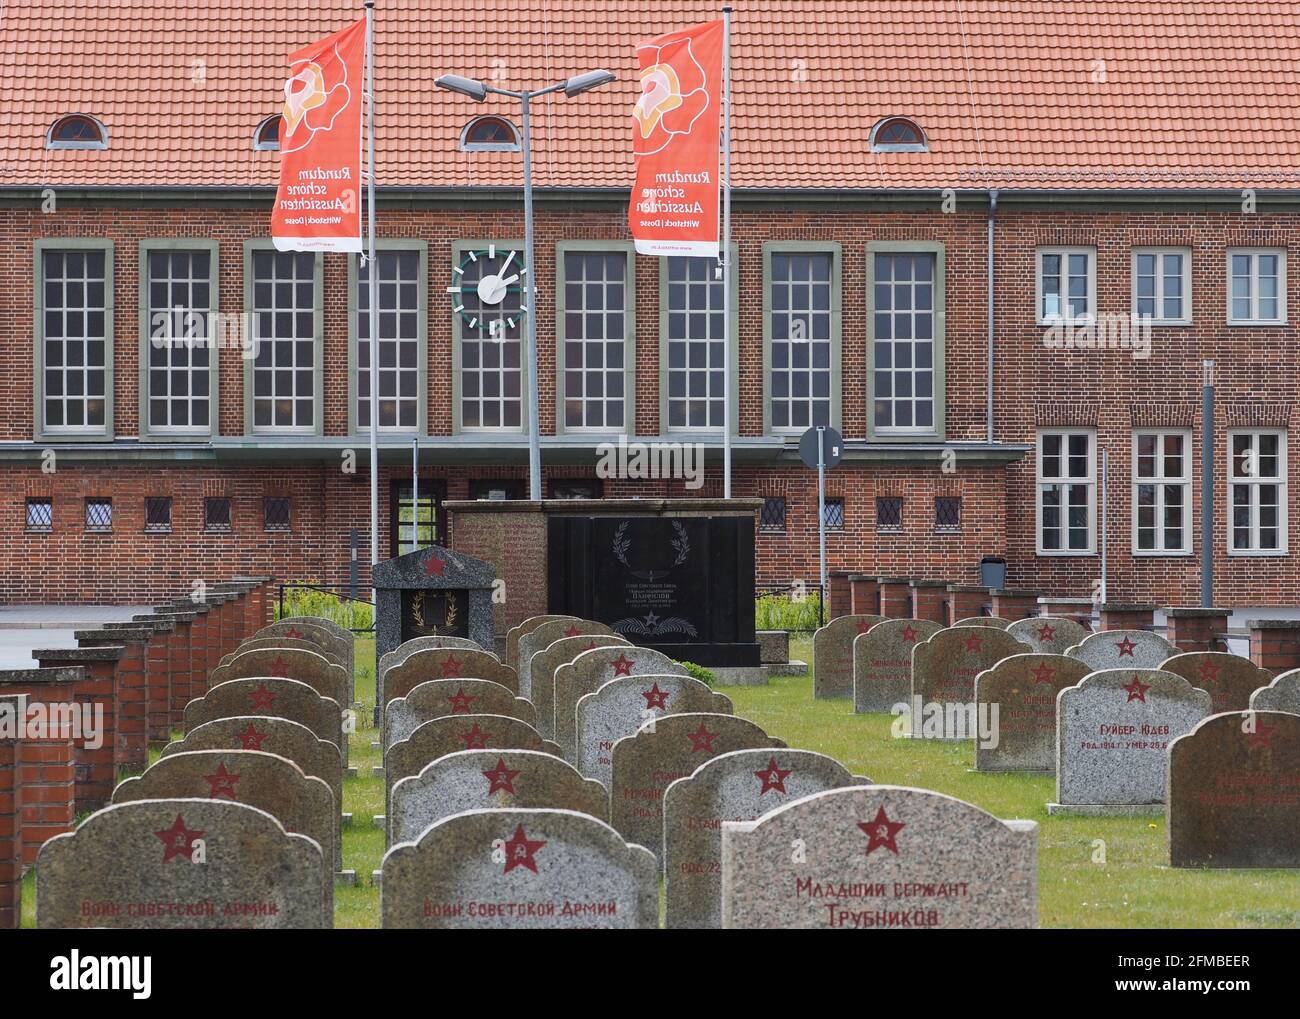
(1013, 94)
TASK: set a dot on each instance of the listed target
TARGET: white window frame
(1090, 482)
(1064, 253)
(359, 391)
(253, 247)
(1160, 319)
(1254, 254)
(1280, 481)
(1160, 482)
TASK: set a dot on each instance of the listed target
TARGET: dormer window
(77, 131)
(267, 135)
(489, 134)
(898, 134)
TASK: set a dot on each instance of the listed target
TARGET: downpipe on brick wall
(993, 211)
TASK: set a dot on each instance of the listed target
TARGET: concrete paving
(24, 627)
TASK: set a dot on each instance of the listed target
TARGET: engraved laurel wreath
(448, 621)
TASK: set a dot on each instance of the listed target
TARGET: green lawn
(1132, 888)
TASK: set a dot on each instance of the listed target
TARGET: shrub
(781, 612)
(352, 615)
(699, 672)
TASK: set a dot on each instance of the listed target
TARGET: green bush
(352, 615)
(699, 672)
(782, 612)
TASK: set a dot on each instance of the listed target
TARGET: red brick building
(1130, 171)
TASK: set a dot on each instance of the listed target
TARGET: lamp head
(586, 82)
(476, 90)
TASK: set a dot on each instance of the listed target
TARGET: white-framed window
(903, 340)
(802, 322)
(1067, 285)
(399, 341)
(1162, 285)
(1067, 491)
(74, 322)
(1256, 286)
(1162, 492)
(695, 338)
(595, 339)
(284, 305)
(1257, 492)
(180, 293)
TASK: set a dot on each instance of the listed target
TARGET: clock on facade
(487, 291)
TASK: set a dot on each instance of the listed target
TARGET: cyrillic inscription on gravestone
(882, 663)
(833, 654)
(1020, 692)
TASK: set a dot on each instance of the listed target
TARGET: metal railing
(343, 592)
(796, 592)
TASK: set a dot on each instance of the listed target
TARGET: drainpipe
(993, 211)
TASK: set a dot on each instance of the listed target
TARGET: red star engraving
(572, 631)
(1262, 736)
(655, 698)
(475, 738)
(433, 566)
(701, 740)
(863, 626)
(909, 633)
(1209, 671)
(1126, 647)
(279, 667)
(500, 778)
(178, 840)
(293, 633)
(621, 665)
(1137, 690)
(460, 701)
(1043, 674)
(251, 739)
(450, 667)
(520, 851)
(881, 832)
(773, 777)
(1047, 632)
(590, 646)
(222, 783)
(974, 642)
(262, 698)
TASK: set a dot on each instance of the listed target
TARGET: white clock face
(487, 290)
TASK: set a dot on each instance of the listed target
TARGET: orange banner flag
(674, 207)
(317, 204)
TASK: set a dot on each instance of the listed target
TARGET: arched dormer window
(267, 135)
(489, 134)
(898, 134)
(77, 131)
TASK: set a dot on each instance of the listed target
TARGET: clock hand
(507, 280)
(506, 264)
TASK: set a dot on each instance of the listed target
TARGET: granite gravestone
(882, 663)
(620, 707)
(300, 802)
(325, 634)
(485, 779)
(1228, 679)
(879, 857)
(1024, 689)
(453, 733)
(944, 668)
(308, 667)
(527, 626)
(279, 698)
(1048, 635)
(286, 643)
(404, 651)
(546, 635)
(1234, 792)
(741, 785)
(542, 672)
(993, 621)
(682, 584)
(591, 670)
(1282, 694)
(445, 663)
(1123, 649)
(1113, 731)
(833, 654)
(181, 863)
(662, 751)
(439, 697)
(508, 868)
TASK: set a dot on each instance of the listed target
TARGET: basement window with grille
(99, 515)
(771, 517)
(158, 514)
(40, 516)
(216, 513)
(834, 513)
(947, 514)
(889, 514)
(275, 513)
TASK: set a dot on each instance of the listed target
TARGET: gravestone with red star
(1282, 694)
(944, 668)
(324, 633)
(404, 651)
(997, 622)
(882, 663)
(439, 697)
(207, 863)
(589, 671)
(288, 643)
(741, 785)
(1123, 649)
(302, 803)
(280, 698)
(546, 635)
(1234, 792)
(1023, 688)
(620, 707)
(1228, 679)
(1048, 635)
(879, 857)
(446, 663)
(305, 666)
(521, 869)
(528, 625)
(662, 751)
(1113, 730)
(485, 779)
(545, 662)
(453, 733)
(833, 654)
(291, 740)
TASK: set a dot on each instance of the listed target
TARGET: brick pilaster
(895, 597)
(95, 687)
(929, 600)
(965, 601)
(1275, 643)
(1127, 616)
(864, 595)
(1013, 605)
(1193, 629)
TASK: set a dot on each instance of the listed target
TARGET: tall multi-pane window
(1066, 492)
(1257, 491)
(490, 332)
(179, 375)
(801, 326)
(399, 340)
(1066, 284)
(1256, 286)
(1162, 492)
(904, 332)
(1162, 285)
(595, 318)
(74, 330)
(284, 329)
(695, 338)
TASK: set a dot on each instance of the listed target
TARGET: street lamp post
(479, 91)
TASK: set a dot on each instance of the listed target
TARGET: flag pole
(373, 318)
(726, 253)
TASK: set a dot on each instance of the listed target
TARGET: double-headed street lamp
(479, 91)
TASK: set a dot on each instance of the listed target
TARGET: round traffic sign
(832, 444)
